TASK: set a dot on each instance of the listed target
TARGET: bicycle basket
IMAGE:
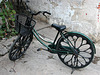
(24, 24)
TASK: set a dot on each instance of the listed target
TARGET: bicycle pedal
(39, 49)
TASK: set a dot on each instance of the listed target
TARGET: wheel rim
(83, 47)
(20, 47)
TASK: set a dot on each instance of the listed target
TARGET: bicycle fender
(94, 49)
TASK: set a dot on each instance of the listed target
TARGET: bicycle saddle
(59, 27)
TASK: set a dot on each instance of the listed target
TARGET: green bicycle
(73, 48)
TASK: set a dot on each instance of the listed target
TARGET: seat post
(56, 38)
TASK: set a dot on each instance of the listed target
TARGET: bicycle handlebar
(43, 12)
(46, 13)
(32, 13)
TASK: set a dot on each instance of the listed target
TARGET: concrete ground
(42, 63)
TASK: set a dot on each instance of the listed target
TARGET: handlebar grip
(46, 13)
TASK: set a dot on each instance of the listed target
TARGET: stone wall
(77, 15)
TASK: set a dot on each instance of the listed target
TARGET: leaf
(3, 26)
(12, 16)
(9, 18)
(7, 3)
(6, 14)
(6, 9)
(1, 14)
(14, 12)
(3, 10)
(10, 36)
(10, 5)
(3, 17)
(13, 30)
(13, 19)
(2, 36)
(3, 21)
(8, 30)
(2, 32)
(9, 11)
(12, 33)
(16, 32)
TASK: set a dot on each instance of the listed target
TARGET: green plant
(7, 15)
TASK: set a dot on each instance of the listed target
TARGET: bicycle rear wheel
(82, 45)
(19, 46)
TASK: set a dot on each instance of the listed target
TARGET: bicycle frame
(52, 49)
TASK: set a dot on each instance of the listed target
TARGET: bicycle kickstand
(73, 69)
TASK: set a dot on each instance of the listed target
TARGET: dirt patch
(96, 59)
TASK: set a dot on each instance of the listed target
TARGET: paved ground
(42, 63)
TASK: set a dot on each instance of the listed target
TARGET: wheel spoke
(14, 54)
(85, 50)
(65, 56)
(84, 58)
(80, 44)
(72, 60)
(79, 62)
(75, 42)
(70, 43)
(69, 59)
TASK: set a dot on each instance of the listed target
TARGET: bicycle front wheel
(81, 44)
(19, 46)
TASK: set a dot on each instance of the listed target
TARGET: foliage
(7, 15)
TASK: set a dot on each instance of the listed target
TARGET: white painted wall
(0, 1)
(77, 15)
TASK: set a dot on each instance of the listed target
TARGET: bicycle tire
(79, 43)
(20, 46)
